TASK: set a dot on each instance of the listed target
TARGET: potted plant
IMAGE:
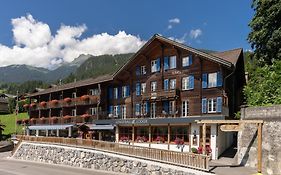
(141, 139)
(160, 139)
(194, 150)
(124, 139)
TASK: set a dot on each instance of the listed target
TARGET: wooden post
(169, 135)
(259, 147)
(117, 134)
(149, 135)
(204, 138)
(133, 135)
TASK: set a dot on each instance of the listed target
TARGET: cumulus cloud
(35, 45)
(173, 22)
(194, 34)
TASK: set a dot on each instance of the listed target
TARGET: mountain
(22, 73)
(98, 65)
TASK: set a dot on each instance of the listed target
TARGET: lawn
(9, 121)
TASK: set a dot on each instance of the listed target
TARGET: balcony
(67, 102)
(160, 95)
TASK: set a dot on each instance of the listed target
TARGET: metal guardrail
(189, 160)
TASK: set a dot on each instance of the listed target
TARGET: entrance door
(153, 110)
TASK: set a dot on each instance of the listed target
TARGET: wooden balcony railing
(184, 159)
(67, 102)
(160, 95)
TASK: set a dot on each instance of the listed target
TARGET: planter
(85, 97)
(67, 117)
(43, 104)
(54, 102)
(85, 116)
(67, 100)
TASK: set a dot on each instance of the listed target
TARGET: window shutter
(191, 82)
(204, 105)
(219, 104)
(138, 89)
(166, 84)
(219, 79)
(166, 63)
(166, 106)
(119, 92)
(127, 91)
(119, 110)
(110, 92)
(137, 108)
(158, 64)
(137, 70)
(110, 109)
(190, 60)
(147, 106)
(204, 80)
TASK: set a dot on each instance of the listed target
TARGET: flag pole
(17, 111)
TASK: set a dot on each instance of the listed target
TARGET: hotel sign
(230, 128)
(136, 121)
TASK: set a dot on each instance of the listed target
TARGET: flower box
(160, 139)
(124, 139)
(85, 116)
(67, 117)
(67, 100)
(85, 97)
(179, 141)
(33, 105)
(43, 104)
(54, 102)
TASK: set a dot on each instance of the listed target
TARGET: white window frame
(172, 107)
(115, 93)
(153, 86)
(153, 110)
(137, 113)
(115, 111)
(74, 95)
(212, 105)
(73, 112)
(173, 84)
(143, 70)
(185, 61)
(124, 91)
(185, 108)
(123, 111)
(154, 66)
(94, 91)
(212, 80)
(185, 83)
(143, 88)
(94, 111)
(172, 61)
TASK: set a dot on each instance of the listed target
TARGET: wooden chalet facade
(154, 100)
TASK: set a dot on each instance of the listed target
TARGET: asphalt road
(10, 166)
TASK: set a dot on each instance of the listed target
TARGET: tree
(265, 35)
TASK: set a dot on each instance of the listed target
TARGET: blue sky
(216, 25)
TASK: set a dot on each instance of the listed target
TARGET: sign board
(230, 128)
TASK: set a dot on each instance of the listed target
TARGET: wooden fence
(186, 159)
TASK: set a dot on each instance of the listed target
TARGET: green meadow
(9, 121)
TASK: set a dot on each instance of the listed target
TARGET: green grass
(9, 121)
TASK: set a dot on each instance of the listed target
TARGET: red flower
(85, 97)
(85, 116)
(43, 104)
(67, 100)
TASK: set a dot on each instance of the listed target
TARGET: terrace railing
(184, 159)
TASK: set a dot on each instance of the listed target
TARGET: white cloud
(195, 33)
(172, 22)
(35, 45)
(175, 20)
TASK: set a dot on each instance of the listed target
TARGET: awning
(101, 127)
(48, 127)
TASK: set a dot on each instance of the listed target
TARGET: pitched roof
(85, 82)
(208, 56)
(229, 55)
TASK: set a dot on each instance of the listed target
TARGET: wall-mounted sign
(230, 128)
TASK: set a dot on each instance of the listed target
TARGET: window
(187, 61)
(94, 91)
(124, 112)
(212, 80)
(173, 62)
(188, 82)
(143, 88)
(141, 134)
(155, 65)
(74, 95)
(143, 70)
(138, 89)
(212, 105)
(153, 110)
(94, 111)
(125, 133)
(115, 93)
(116, 111)
(137, 70)
(153, 86)
(125, 91)
(185, 108)
(73, 112)
(166, 84)
(159, 134)
(172, 84)
(179, 132)
(137, 109)
(172, 108)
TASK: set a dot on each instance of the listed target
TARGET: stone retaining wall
(92, 159)
(271, 139)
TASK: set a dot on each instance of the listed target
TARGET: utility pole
(17, 111)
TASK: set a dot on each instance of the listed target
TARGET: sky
(48, 33)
